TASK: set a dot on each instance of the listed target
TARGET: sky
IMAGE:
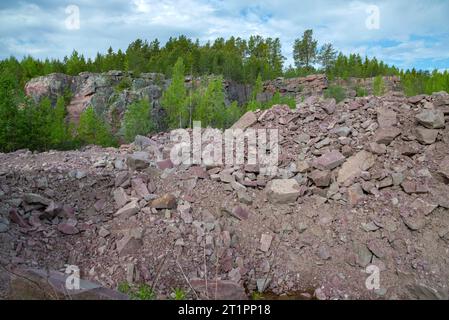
(406, 33)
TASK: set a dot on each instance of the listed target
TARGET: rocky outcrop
(108, 93)
(294, 87)
(391, 83)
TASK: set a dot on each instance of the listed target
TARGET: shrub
(361, 92)
(378, 86)
(123, 85)
(336, 92)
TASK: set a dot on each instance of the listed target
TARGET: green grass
(256, 296)
(179, 294)
(124, 288)
(143, 292)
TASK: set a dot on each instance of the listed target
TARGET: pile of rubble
(362, 182)
(312, 85)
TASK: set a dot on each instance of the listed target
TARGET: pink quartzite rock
(329, 161)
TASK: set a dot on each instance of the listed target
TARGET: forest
(23, 124)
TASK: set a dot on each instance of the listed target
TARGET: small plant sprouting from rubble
(143, 292)
(256, 296)
(179, 294)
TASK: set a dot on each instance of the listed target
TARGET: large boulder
(431, 119)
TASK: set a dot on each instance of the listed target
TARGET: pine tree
(378, 86)
(174, 98)
(137, 120)
(211, 109)
(8, 113)
(305, 50)
(59, 131)
(327, 56)
(93, 130)
(233, 114)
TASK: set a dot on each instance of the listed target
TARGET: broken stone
(398, 178)
(265, 242)
(302, 138)
(386, 135)
(244, 197)
(142, 142)
(4, 225)
(363, 255)
(415, 222)
(120, 197)
(426, 136)
(218, 289)
(422, 207)
(321, 178)
(103, 232)
(199, 172)
(129, 210)
(329, 161)
(185, 211)
(370, 227)
(302, 166)
(329, 105)
(129, 245)
(68, 229)
(15, 217)
(385, 183)
(246, 121)
(377, 148)
(167, 201)
(342, 131)
(282, 191)
(240, 213)
(444, 167)
(138, 161)
(38, 284)
(323, 143)
(431, 119)
(33, 198)
(355, 194)
(140, 188)
(121, 178)
(165, 164)
(355, 165)
(386, 118)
